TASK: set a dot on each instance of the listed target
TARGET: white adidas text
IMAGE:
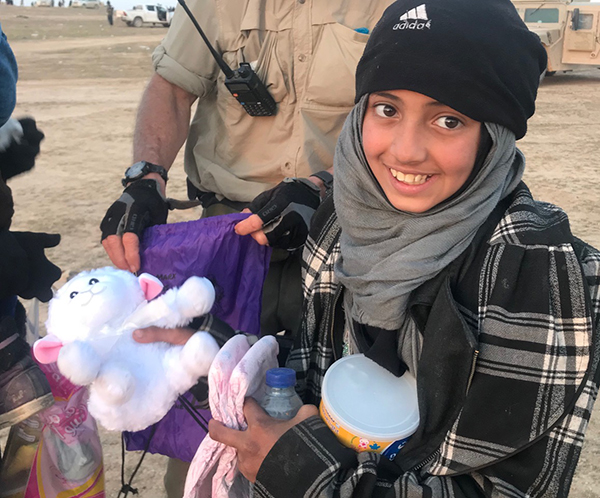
(418, 25)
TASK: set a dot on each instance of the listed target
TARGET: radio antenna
(222, 64)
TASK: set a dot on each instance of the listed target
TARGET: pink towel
(238, 371)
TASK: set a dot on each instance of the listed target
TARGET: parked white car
(86, 4)
(147, 14)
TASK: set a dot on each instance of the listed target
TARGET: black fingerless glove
(286, 211)
(24, 268)
(141, 205)
(20, 154)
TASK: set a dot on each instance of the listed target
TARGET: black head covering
(476, 56)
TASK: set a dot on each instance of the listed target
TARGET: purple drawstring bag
(237, 267)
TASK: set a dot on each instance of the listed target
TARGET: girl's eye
(73, 294)
(449, 122)
(385, 111)
(93, 281)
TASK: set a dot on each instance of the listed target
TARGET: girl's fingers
(178, 336)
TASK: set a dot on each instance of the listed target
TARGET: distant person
(109, 13)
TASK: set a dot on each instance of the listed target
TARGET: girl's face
(420, 151)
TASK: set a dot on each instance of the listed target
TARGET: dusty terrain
(82, 81)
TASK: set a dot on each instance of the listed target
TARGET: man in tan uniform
(306, 53)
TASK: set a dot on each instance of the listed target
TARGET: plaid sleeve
(216, 327)
(309, 462)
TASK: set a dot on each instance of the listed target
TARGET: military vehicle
(569, 30)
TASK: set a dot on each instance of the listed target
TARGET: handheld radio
(243, 83)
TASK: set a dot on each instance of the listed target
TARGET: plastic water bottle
(281, 400)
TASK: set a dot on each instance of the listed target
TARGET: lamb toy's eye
(93, 281)
(73, 294)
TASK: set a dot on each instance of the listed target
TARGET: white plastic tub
(367, 407)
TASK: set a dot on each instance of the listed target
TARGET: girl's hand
(178, 336)
(263, 431)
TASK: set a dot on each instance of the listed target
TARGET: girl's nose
(409, 145)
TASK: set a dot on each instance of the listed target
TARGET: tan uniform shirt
(305, 51)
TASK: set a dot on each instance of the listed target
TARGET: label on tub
(387, 449)
(393, 449)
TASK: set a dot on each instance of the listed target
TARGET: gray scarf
(387, 253)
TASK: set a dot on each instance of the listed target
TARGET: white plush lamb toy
(90, 324)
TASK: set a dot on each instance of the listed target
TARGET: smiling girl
(433, 256)
(419, 150)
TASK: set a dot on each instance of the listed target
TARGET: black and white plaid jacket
(507, 375)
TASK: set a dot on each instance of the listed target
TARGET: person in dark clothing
(109, 13)
(24, 269)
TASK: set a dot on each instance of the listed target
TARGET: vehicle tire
(137, 22)
(550, 73)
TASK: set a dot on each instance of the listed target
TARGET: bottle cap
(281, 377)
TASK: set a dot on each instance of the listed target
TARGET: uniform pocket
(261, 52)
(334, 61)
(269, 67)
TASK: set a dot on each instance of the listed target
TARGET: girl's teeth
(408, 178)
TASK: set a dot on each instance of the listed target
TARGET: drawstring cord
(126, 488)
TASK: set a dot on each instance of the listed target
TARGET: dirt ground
(82, 80)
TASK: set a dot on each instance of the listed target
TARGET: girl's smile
(419, 150)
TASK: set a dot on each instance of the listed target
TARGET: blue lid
(281, 377)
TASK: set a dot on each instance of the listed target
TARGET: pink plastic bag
(68, 461)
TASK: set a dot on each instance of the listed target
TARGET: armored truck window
(541, 15)
(585, 21)
(150, 8)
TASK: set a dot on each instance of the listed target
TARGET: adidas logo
(414, 19)
(419, 12)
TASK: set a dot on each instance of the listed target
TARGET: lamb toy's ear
(46, 349)
(151, 286)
